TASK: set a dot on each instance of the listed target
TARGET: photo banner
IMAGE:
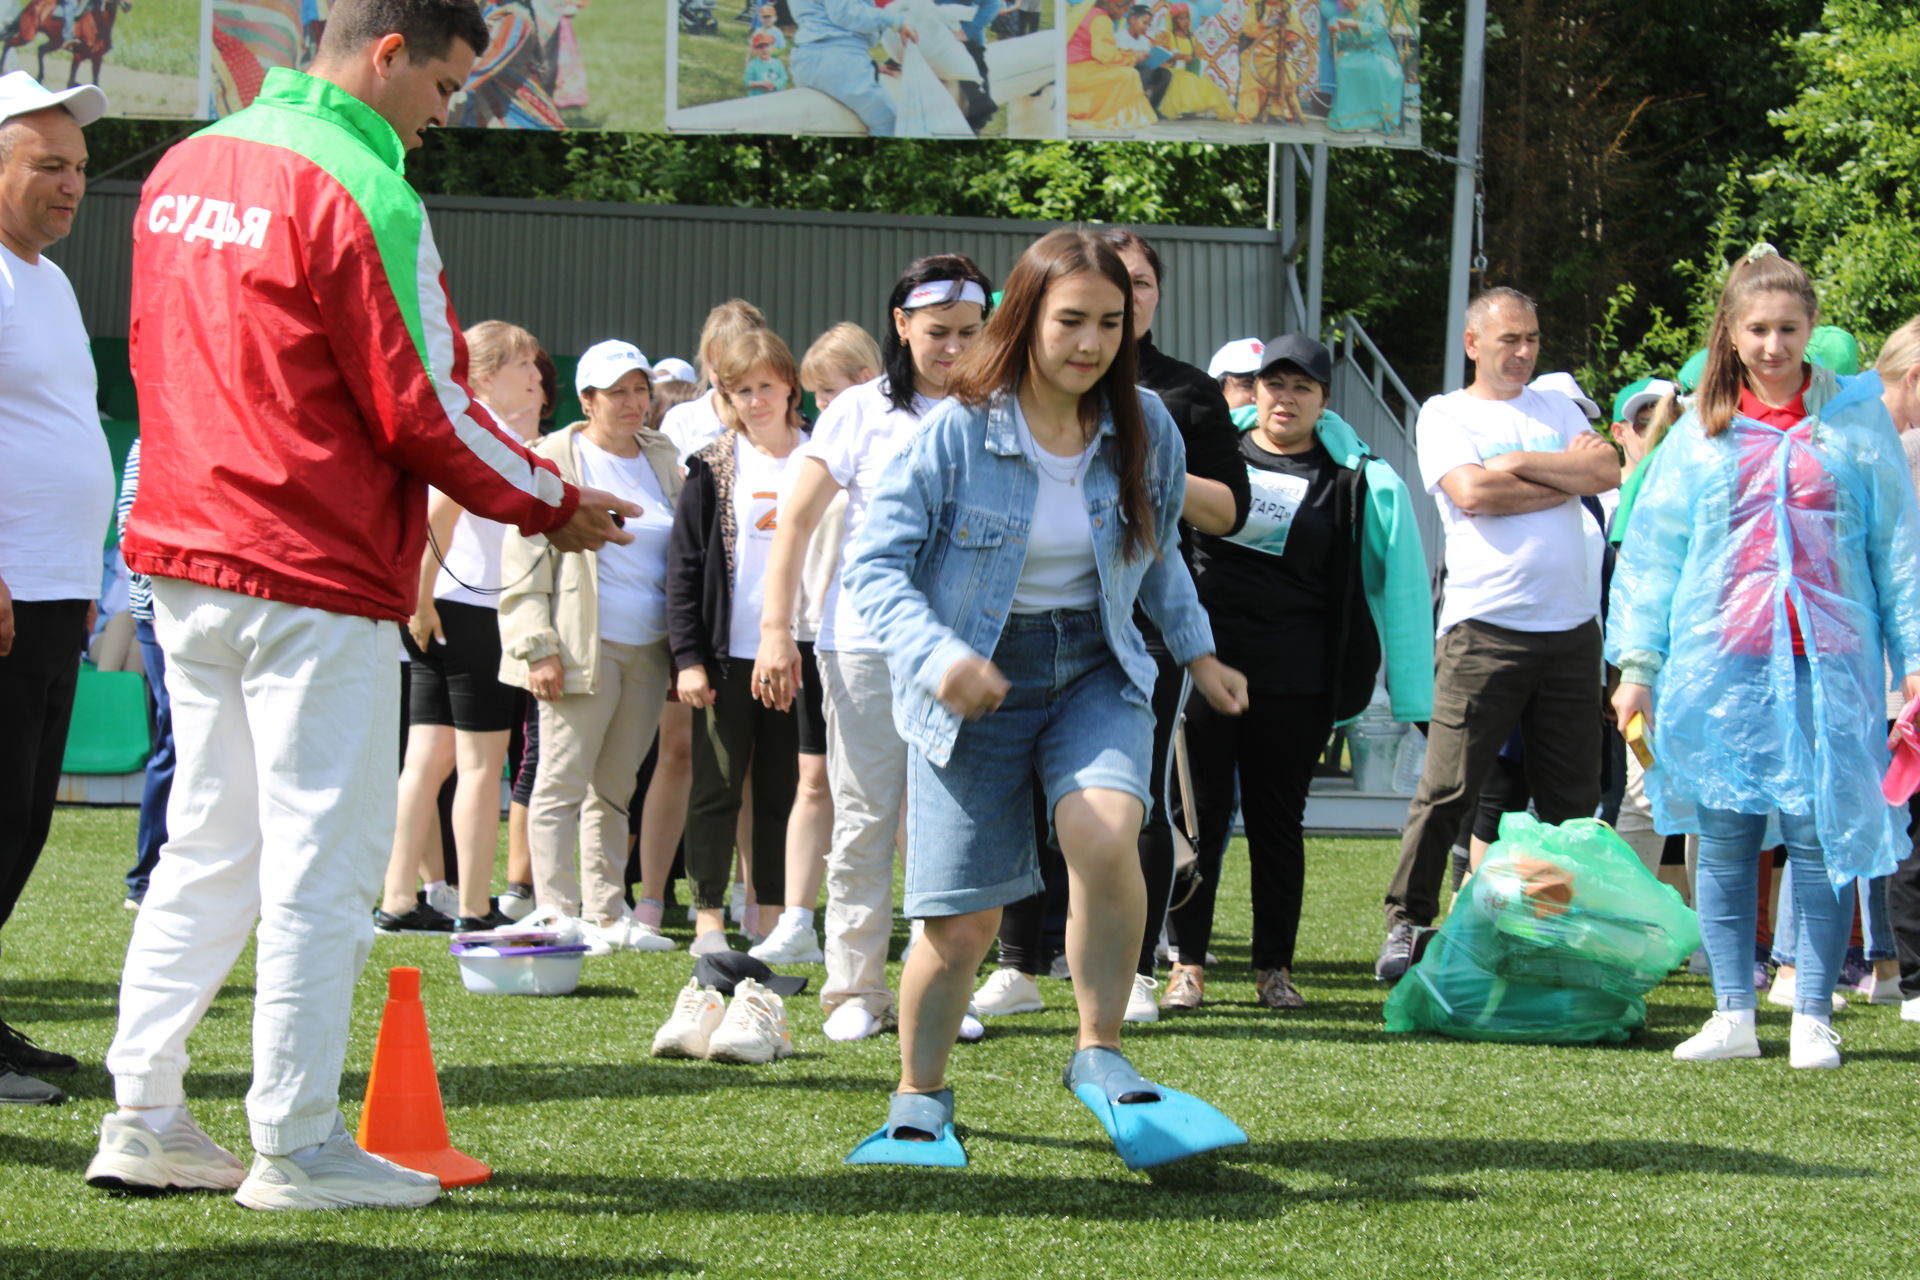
(1337, 71)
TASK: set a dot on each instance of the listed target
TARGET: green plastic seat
(109, 732)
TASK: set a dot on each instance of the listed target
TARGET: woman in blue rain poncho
(1774, 557)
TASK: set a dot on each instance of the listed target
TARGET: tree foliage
(1844, 191)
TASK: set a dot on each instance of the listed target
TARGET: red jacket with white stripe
(301, 376)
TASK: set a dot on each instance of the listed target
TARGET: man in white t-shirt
(1519, 638)
(59, 495)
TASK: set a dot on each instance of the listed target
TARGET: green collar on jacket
(298, 91)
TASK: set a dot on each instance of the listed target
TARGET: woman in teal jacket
(1326, 574)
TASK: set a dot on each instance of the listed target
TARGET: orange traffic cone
(403, 1118)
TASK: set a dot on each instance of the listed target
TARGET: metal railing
(1377, 404)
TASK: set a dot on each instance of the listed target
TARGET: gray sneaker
(134, 1158)
(337, 1176)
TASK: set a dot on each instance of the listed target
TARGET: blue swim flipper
(921, 1113)
(1149, 1123)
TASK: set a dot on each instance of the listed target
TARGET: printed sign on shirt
(1276, 500)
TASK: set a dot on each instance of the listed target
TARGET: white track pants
(282, 811)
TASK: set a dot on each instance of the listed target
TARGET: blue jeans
(152, 832)
(847, 74)
(1876, 921)
(1727, 887)
(1072, 716)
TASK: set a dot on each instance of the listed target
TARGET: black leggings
(1273, 747)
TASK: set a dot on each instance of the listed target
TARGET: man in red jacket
(302, 380)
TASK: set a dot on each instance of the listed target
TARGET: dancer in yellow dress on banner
(1191, 92)
(1102, 88)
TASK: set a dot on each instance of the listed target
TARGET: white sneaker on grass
(696, 1012)
(337, 1176)
(1876, 990)
(754, 1029)
(849, 1022)
(1812, 1043)
(1910, 1009)
(971, 1028)
(626, 934)
(791, 942)
(1728, 1034)
(1007, 991)
(181, 1157)
(1141, 1006)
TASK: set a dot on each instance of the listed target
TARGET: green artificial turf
(1372, 1155)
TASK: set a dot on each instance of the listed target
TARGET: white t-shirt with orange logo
(756, 511)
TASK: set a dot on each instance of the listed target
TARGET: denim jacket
(933, 569)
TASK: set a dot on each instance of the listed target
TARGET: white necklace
(1060, 470)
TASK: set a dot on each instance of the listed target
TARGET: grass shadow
(59, 1000)
(490, 1084)
(1391, 1161)
(341, 1262)
(40, 1153)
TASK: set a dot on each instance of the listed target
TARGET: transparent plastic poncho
(1727, 533)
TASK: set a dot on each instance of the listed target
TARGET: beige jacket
(552, 605)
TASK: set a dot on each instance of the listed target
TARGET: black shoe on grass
(23, 1090)
(421, 919)
(23, 1055)
(1396, 954)
(479, 924)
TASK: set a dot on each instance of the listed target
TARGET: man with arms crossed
(1519, 630)
(301, 381)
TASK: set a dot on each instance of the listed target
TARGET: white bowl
(529, 971)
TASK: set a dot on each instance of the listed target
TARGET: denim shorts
(1072, 718)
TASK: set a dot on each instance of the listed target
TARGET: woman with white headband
(937, 309)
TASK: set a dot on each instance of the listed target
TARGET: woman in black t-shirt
(1281, 595)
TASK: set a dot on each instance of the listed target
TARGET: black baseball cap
(1309, 356)
(723, 970)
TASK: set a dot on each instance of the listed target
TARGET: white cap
(605, 363)
(1566, 385)
(20, 93)
(1242, 355)
(1653, 393)
(674, 369)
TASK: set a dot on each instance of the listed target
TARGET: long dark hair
(1125, 238)
(895, 356)
(1762, 271)
(998, 362)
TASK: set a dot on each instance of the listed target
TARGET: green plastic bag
(1553, 941)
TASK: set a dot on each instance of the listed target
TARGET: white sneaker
(971, 1028)
(1141, 1006)
(337, 1176)
(1007, 991)
(625, 934)
(445, 900)
(850, 1022)
(1787, 985)
(1910, 1009)
(133, 1157)
(755, 1028)
(1812, 1043)
(1876, 990)
(790, 943)
(513, 906)
(1728, 1034)
(687, 1030)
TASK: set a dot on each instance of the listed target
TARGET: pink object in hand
(1903, 775)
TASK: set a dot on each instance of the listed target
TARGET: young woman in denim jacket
(999, 565)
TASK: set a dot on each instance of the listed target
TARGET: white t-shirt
(1524, 572)
(692, 426)
(471, 557)
(756, 514)
(1060, 571)
(56, 504)
(855, 439)
(632, 578)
